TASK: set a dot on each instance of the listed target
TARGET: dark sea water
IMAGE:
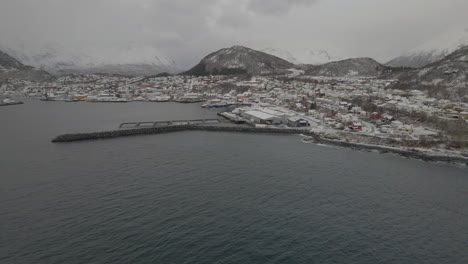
(207, 197)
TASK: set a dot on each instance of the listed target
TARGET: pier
(174, 128)
(10, 103)
(130, 125)
(313, 137)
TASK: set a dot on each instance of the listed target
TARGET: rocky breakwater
(166, 129)
(117, 133)
(6, 102)
(313, 137)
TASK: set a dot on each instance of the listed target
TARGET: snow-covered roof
(260, 115)
(271, 111)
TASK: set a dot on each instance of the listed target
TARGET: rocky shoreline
(244, 129)
(406, 153)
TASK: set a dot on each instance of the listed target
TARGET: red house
(356, 126)
(376, 115)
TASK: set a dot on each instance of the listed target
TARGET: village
(356, 109)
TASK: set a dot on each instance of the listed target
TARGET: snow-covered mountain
(433, 50)
(10, 68)
(239, 60)
(131, 60)
(314, 57)
(317, 57)
(445, 78)
(348, 67)
(281, 53)
(8, 63)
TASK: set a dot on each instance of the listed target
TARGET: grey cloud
(186, 30)
(276, 7)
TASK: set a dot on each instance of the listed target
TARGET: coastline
(67, 138)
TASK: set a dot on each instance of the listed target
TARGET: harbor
(142, 128)
(155, 161)
(170, 123)
(260, 118)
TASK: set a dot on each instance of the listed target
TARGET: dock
(130, 125)
(246, 129)
(233, 118)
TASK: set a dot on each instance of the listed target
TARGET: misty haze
(233, 131)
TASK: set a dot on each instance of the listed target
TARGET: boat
(163, 98)
(215, 103)
(106, 98)
(190, 98)
(9, 101)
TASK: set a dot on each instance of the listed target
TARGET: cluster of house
(299, 101)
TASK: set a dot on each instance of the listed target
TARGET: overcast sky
(186, 30)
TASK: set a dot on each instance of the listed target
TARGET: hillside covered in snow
(131, 61)
(240, 60)
(432, 51)
(10, 68)
(445, 78)
(349, 67)
(314, 57)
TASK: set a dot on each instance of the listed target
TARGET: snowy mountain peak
(8, 63)
(237, 47)
(132, 59)
(238, 60)
(10, 68)
(319, 56)
(445, 78)
(449, 41)
(348, 67)
(283, 54)
(432, 50)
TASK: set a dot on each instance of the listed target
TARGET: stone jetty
(245, 129)
(167, 129)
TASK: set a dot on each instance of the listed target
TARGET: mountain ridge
(433, 50)
(11, 68)
(446, 78)
(312, 57)
(239, 60)
(363, 66)
(133, 60)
